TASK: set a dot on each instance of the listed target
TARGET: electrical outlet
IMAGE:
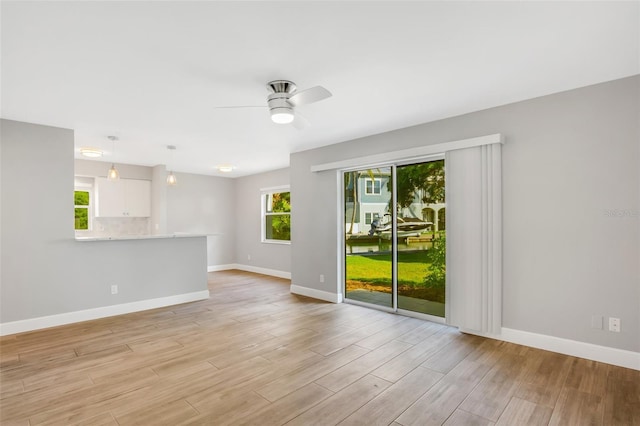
(114, 289)
(248, 257)
(321, 278)
(614, 325)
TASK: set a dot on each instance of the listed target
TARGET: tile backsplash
(119, 226)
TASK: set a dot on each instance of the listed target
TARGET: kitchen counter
(139, 237)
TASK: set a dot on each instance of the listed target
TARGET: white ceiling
(152, 73)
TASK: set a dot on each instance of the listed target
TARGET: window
(370, 217)
(276, 217)
(82, 205)
(372, 186)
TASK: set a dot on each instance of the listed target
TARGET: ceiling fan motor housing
(281, 86)
(279, 107)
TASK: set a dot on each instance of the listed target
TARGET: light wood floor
(256, 354)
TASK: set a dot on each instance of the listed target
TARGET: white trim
(265, 271)
(283, 242)
(341, 232)
(316, 294)
(101, 312)
(619, 357)
(91, 215)
(371, 218)
(214, 268)
(407, 154)
(249, 268)
(373, 186)
(265, 194)
(394, 238)
(279, 188)
(613, 356)
(421, 159)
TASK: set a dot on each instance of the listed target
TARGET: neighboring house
(374, 198)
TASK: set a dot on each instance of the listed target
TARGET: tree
(426, 179)
(81, 198)
(280, 224)
(351, 184)
(281, 202)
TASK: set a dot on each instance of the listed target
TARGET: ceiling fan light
(91, 152)
(282, 115)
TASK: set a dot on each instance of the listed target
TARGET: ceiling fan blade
(300, 121)
(240, 106)
(309, 96)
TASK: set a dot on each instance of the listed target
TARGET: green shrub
(437, 269)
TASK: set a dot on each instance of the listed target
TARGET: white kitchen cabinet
(123, 198)
(137, 199)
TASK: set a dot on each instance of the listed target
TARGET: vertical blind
(474, 239)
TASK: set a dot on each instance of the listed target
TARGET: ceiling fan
(284, 97)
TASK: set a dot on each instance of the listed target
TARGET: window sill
(281, 242)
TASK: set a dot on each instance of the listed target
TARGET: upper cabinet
(123, 198)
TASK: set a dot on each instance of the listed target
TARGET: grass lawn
(373, 272)
(412, 268)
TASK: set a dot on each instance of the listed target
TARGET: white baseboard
(317, 294)
(303, 291)
(619, 357)
(249, 268)
(214, 268)
(96, 313)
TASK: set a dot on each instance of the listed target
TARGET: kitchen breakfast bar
(117, 275)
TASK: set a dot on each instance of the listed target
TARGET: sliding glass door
(421, 237)
(368, 242)
(395, 233)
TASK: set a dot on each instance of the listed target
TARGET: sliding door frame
(342, 248)
(392, 164)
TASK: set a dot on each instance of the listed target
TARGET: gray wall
(570, 205)
(248, 227)
(201, 204)
(44, 270)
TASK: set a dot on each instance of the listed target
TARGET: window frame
(372, 216)
(264, 193)
(79, 187)
(373, 186)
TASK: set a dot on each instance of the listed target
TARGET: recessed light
(91, 152)
(226, 168)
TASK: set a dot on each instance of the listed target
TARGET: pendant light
(171, 178)
(113, 173)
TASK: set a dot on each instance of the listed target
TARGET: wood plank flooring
(254, 354)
